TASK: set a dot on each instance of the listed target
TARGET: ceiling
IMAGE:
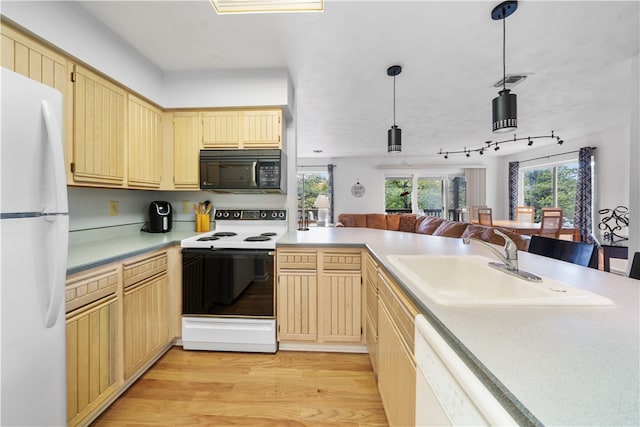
(576, 55)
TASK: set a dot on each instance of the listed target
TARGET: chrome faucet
(509, 259)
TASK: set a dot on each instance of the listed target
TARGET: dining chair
(634, 272)
(524, 213)
(464, 215)
(474, 212)
(580, 253)
(551, 222)
(485, 216)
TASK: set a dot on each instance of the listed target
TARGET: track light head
(560, 142)
(530, 143)
(446, 156)
(481, 151)
(497, 147)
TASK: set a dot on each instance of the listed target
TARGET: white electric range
(228, 282)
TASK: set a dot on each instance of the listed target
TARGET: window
(397, 194)
(315, 183)
(431, 195)
(551, 186)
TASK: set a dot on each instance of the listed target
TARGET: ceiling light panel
(267, 6)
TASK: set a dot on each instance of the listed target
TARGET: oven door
(228, 282)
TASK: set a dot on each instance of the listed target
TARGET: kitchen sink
(453, 280)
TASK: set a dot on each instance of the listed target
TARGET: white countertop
(564, 366)
(112, 245)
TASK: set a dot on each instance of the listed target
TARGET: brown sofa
(435, 226)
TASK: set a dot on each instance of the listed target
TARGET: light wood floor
(197, 388)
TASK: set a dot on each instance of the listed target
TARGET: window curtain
(476, 179)
(330, 191)
(582, 218)
(514, 168)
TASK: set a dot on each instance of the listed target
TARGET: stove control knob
(281, 214)
(225, 214)
(263, 214)
(274, 214)
(236, 214)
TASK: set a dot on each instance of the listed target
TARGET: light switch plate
(114, 208)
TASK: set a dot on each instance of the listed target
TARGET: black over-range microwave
(243, 171)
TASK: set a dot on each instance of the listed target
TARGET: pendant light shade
(394, 139)
(505, 112)
(394, 134)
(504, 106)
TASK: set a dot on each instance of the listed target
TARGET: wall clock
(357, 190)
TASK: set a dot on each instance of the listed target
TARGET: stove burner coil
(260, 238)
(207, 238)
(269, 234)
(224, 234)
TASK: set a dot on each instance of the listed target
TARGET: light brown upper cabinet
(262, 128)
(32, 59)
(99, 129)
(222, 129)
(145, 144)
(186, 150)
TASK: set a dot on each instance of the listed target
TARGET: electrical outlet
(114, 208)
(186, 206)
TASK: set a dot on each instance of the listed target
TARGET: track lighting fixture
(394, 134)
(504, 106)
(496, 145)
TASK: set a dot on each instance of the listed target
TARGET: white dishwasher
(447, 392)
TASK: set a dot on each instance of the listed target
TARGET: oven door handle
(229, 251)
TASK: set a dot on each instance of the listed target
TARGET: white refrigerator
(34, 229)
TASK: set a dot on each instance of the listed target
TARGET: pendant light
(394, 134)
(504, 106)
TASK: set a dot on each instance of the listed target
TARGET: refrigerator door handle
(57, 268)
(54, 138)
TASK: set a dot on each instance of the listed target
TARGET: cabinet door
(91, 362)
(262, 128)
(297, 302)
(30, 58)
(145, 144)
(186, 154)
(221, 129)
(340, 306)
(98, 129)
(146, 322)
(396, 373)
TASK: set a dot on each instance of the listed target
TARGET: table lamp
(322, 203)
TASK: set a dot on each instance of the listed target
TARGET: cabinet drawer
(341, 260)
(401, 310)
(297, 260)
(85, 288)
(141, 270)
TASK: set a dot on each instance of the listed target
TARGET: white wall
(89, 207)
(634, 158)
(348, 171)
(75, 31)
(70, 28)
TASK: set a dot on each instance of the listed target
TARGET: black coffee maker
(160, 217)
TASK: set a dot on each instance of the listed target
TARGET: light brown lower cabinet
(91, 357)
(146, 311)
(396, 365)
(319, 295)
(120, 318)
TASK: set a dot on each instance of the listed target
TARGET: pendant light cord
(504, 41)
(394, 100)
